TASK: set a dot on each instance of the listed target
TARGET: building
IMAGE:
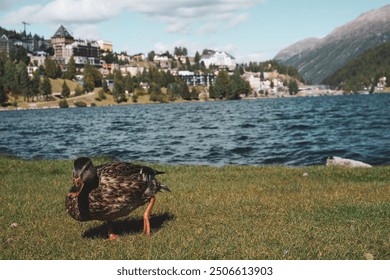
(138, 57)
(253, 79)
(59, 41)
(218, 58)
(6, 44)
(38, 59)
(105, 46)
(83, 51)
(33, 44)
(193, 79)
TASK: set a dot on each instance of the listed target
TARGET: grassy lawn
(233, 212)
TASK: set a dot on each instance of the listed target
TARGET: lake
(286, 131)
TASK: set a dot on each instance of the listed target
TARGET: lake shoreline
(93, 103)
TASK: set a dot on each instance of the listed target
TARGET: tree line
(163, 86)
(16, 82)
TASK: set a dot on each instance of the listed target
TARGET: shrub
(102, 95)
(78, 91)
(80, 104)
(134, 98)
(63, 103)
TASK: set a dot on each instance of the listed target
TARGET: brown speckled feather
(122, 188)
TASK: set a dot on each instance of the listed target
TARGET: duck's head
(84, 176)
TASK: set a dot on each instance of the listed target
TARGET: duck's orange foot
(113, 236)
(147, 215)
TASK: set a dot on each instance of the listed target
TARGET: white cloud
(237, 19)
(4, 4)
(86, 31)
(208, 28)
(22, 14)
(64, 11)
(180, 16)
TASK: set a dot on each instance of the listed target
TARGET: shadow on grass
(124, 227)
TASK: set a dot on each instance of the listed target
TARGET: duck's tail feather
(164, 188)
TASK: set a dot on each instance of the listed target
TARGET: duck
(112, 190)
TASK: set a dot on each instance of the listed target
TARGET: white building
(253, 79)
(218, 58)
(133, 70)
(83, 51)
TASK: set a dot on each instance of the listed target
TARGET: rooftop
(62, 32)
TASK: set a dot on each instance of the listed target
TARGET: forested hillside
(363, 71)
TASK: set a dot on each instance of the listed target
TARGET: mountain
(316, 59)
(297, 48)
(363, 71)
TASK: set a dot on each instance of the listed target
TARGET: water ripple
(290, 131)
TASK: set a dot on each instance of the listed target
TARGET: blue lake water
(287, 131)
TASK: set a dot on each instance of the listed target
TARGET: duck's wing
(126, 169)
(117, 196)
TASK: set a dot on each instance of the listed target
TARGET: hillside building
(6, 44)
(59, 41)
(193, 79)
(105, 46)
(83, 51)
(218, 58)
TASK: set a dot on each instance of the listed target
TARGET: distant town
(200, 72)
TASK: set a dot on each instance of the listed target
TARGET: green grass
(233, 212)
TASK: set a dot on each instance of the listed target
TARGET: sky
(250, 30)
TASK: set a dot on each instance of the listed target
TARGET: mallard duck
(110, 191)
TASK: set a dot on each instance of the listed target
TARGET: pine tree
(129, 83)
(70, 73)
(197, 60)
(293, 87)
(51, 69)
(184, 91)
(34, 85)
(105, 86)
(154, 92)
(45, 88)
(212, 92)
(188, 64)
(237, 86)
(151, 56)
(10, 77)
(65, 90)
(119, 90)
(24, 81)
(3, 95)
(89, 84)
(221, 84)
(92, 78)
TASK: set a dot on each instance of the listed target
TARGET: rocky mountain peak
(317, 58)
